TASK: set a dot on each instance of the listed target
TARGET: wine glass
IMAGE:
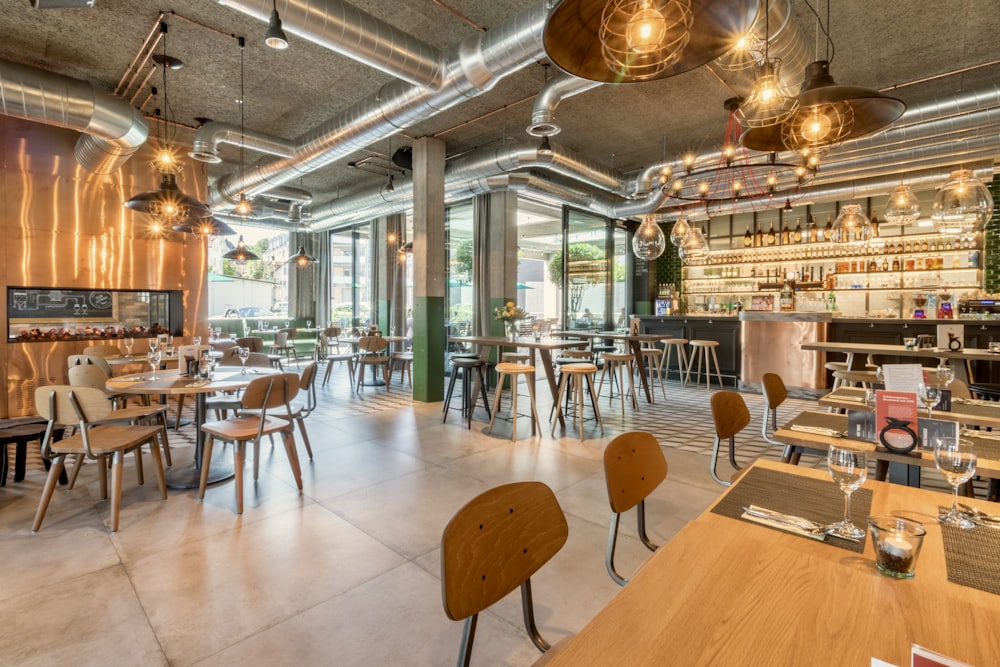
(929, 395)
(154, 344)
(244, 354)
(945, 374)
(196, 340)
(848, 466)
(154, 362)
(309, 324)
(880, 376)
(129, 342)
(871, 398)
(956, 459)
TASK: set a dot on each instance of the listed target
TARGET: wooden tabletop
(730, 592)
(172, 383)
(614, 335)
(985, 414)
(902, 351)
(527, 342)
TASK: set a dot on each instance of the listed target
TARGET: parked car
(248, 311)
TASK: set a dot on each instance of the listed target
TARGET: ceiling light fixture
(962, 205)
(301, 259)
(648, 242)
(241, 253)
(165, 161)
(209, 226)
(641, 40)
(244, 209)
(788, 206)
(694, 249)
(828, 113)
(851, 226)
(275, 37)
(167, 204)
(902, 208)
(769, 102)
(680, 231)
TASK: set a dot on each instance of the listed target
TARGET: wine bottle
(797, 234)
(874, 226)
(828, 230)
(758, 238)
(813, 231)
(786, 236)
(747, 238)
(770, 235)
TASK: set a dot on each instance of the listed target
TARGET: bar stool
(578, 372)
(622, 363)
(466, 365)
(405, 362)
(669, 345)
(700, 351)
(652, 360)
(515, 371)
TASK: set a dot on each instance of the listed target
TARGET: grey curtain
(304, 300)
(480, 267)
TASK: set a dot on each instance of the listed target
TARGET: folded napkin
(983, 435)
(781, 525)
(816, 430)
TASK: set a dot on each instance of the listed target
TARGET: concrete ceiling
(878, 45)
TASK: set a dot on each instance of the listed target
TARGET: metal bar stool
(515, 371)
(700, 351)
(465, 366)
(579, 372)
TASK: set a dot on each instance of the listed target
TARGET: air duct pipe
(205, 147)
(554, 91)
(471, 68)
(113, 130)
(351, 32)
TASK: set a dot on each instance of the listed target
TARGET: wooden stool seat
(577, 373)
(465, 366)
(620, 362)
(514, 357)
(405, 362)
(853, 378)
(700, 350)
(680, 345)
(515, 371)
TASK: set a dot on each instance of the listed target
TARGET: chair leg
(305, 436)
(102, 476)
(640, 516)
(117, 463)
(609, 555)
(162, 421)
(293, 458)
(714, 461)
(50, 485)
(468, 636)
(206, 462)
(256, 459)
(239, 459)
(161, 479)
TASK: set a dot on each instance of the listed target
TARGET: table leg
(550, 376)
(636, 347)
(188, 476)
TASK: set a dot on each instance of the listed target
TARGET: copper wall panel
(63, 226)
(774, 347)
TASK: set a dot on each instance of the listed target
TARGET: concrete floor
(347, 571)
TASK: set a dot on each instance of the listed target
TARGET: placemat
(818, 500)
(972, 557)
(987, 448)
(820, 419)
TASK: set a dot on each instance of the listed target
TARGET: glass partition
(587, 271)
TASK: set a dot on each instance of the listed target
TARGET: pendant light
(648, 242)
(694, 249)
(241, 253)
(623, 41)
(301, 259)
(275, 37)
(769, 102)
(243, 208)
(851, 226)
(209, 226)
(902, 208)
(679, 231)
(962, 205)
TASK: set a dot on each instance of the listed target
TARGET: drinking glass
(246, 330)
(945, 374)
(129, 342)
(929, 395)
(309, 324)
(196, 340)
(870, 399)
(154, 344)
(956, 459)
(288, 324)
(154, 362)
(244, 354)
(848, 466)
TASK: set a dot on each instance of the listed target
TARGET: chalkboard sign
(25, 303)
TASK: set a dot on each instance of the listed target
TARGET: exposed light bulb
(815, 126)
(646, 29)
(680, 231)
(649, 241)
(243, 207)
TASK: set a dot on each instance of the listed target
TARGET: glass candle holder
(897, 543)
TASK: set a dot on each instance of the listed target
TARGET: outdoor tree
(586, 269)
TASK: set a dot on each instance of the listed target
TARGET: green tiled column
(991, 241)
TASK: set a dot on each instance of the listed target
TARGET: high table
(544, 348)
(963, 411)
(726, 591)
(172, 383)
(634, 341)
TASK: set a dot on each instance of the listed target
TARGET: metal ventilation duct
(470, 68)
(113, 129)
(552, 93)
(205, 146)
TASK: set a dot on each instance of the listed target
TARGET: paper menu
(902, 377)
(922, 657)
(896, 418)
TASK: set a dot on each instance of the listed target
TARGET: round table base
(187, 476)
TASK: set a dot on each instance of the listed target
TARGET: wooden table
(962, 371)
(985, 414)
(543, 347)
(634, 341)
(730, 592)
(172, 383)
(913, 461)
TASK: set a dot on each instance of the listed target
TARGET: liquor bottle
(747, 238)
(895, 264)
(828, 230)
(770, 235)
(874, 226)
(885, 264)
(797, 234)
(758, 241)
(786, 236)
(813, 231)
(787, 298)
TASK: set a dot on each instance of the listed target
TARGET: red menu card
(896, 418)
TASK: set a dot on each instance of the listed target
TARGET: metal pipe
(552, 93)
(205, 146)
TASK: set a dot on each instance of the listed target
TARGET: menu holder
(187, 358)
(896, 420)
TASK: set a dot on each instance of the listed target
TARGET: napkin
(817, 430)
(781, 525)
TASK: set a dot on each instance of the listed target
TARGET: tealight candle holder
(897, 543)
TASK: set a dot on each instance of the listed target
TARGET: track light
(275, 37)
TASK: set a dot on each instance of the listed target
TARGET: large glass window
(539, 239)
(350, 277)
(458, 238)
(586, 261)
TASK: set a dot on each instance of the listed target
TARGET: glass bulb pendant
(648, 242)
(680, 231)
(851, 226)
(902, 208)
(962, 205)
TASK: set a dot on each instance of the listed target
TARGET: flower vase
(510, 329)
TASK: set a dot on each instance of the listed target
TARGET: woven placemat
(818, 500)
(972, 557)
(987, 448)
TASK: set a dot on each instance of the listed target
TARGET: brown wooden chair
(492, 546)
(254, 343)
(298, 410)
(634, 466)
(775, 393)
(730, 414)
(284, 343)
(270, 392)
(83, 407)
(373, 354)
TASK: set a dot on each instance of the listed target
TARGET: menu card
(902, 377)
(922, 657)
(896, 418)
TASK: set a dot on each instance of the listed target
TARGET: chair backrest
(774, 390)
(103, 351)
(89, 360)
(307, 384)
(332, 332)
(270, 391)
(634, 466)
(281, 338)
(255, 343)
(730, 413)
(231, 357)
(496, 542)
(257, 360)
(87, 376)
(576, 354)
(223, 345)
(66, 405)
(959, 389)
(372, 344)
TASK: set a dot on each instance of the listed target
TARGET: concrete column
(429, 335)
(501, 250)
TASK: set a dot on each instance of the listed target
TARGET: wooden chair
(89, 359)
(254, 343)
(284, 343)
(270, 392)
(492, 546)
(730, 414)
(83, 407)
(634, 466)
(373, 354)
(297, 411)
(775, 393)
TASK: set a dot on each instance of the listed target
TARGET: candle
(895, 553)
